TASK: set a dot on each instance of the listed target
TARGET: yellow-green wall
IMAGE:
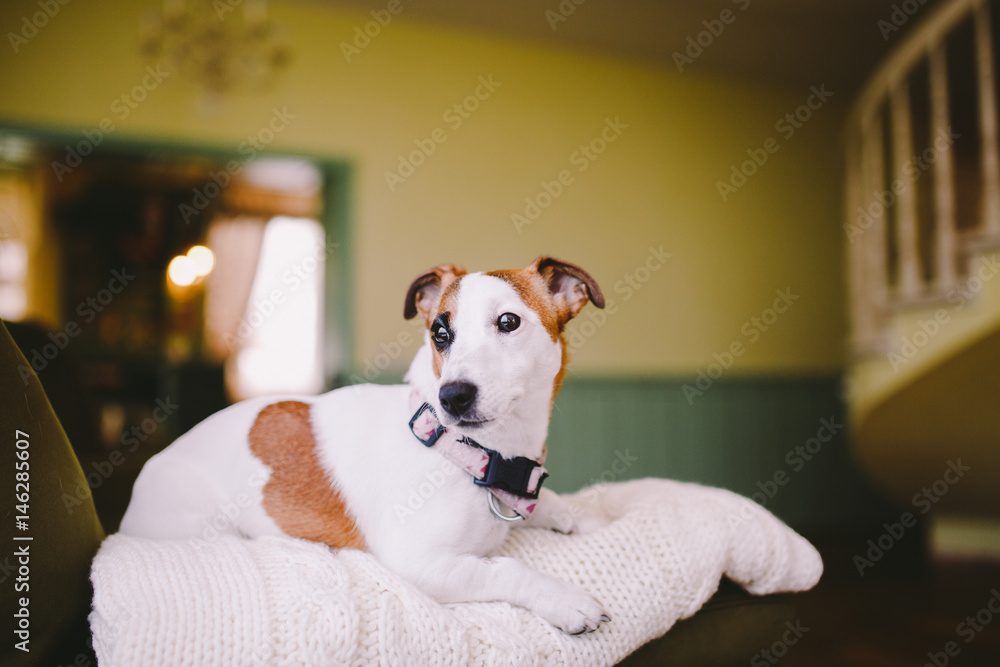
(655, 185)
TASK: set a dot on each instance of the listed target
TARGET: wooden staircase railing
(907, 245)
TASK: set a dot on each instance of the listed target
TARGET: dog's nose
(457, 397)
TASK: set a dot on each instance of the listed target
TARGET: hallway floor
(901, 613)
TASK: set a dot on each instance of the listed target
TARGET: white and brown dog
(337, 468)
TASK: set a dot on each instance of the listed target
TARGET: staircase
(923, 229)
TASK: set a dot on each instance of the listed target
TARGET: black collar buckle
(511, 475)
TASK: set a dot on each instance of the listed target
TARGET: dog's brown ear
(425, 292)
(571, 287)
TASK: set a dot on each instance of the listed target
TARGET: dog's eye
(440, 331)
(508, 322)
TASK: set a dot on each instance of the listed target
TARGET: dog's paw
(573, 611)
(578, 523)
(588, 523)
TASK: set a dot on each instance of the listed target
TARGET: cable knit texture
(276, 601)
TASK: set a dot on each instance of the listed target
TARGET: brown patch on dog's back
(299, 495)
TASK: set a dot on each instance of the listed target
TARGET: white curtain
(266, 306)
(236, 243)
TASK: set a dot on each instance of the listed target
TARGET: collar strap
(515, 482)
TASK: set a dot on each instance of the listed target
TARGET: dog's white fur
(209, 480)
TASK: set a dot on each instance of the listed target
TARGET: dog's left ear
(570, 286)
(425, 292)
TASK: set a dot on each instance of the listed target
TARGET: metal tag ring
(498, 514)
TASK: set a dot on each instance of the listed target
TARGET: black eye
(440, 331)
(508, 322)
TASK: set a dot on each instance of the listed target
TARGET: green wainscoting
(740, 434)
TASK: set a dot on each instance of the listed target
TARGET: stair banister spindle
(908, 264)
(988, 129)
(875, 274)
(858, 227)
(945, 257)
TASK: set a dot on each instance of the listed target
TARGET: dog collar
(514, 482)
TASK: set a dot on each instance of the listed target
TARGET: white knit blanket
(288, 602)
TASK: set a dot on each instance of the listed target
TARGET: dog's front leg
(463, 578)
(557, 513)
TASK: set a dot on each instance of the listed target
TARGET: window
(283, 321)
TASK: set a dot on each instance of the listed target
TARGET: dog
(342, 468)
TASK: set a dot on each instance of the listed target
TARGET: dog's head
(494, 354)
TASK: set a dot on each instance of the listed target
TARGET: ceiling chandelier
(222, 45)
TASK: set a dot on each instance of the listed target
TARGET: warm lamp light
(182, 271)
(203, 258)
